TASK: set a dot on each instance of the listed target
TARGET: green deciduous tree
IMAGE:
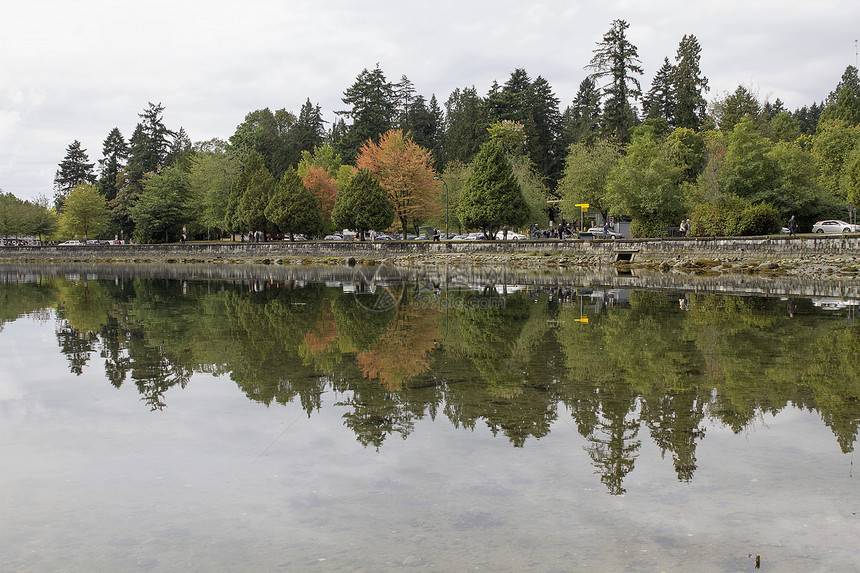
(646, 185)
(163, 208)
(86, 214)
(832, 144)
(267, 133)
(11, 216)
(850, 183)
(586, 173)
(748, 171)
(492, 197)
(211, 177)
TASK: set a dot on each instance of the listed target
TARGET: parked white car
(512, 236)
(599, 233)
(835, 226)
(71, 243)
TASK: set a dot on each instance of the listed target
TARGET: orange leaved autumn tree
(322, 185)
(405, 170)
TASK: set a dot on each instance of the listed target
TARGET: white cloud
(82, 68)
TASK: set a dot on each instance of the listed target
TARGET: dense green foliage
(736, 146)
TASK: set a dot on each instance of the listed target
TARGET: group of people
(564, 230)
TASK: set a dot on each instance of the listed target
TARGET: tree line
(735, 166)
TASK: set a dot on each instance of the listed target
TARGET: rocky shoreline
(813, 257)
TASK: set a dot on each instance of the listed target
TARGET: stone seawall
(592, 251)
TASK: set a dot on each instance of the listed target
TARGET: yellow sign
(583, 205)
(583, 320)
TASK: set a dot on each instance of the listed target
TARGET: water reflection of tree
(504, 360)
(76, 346)
(404, 350)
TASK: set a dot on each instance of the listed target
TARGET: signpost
(583, 207)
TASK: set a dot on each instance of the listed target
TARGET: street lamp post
(446, 204)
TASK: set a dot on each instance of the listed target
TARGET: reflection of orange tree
(404, 350)
(323, 335)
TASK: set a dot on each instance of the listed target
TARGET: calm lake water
(368, 420)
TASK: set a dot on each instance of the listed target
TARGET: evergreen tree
(659, 102)
(74, 169)
(267, 133)
(733, 107)
(362, 205)
(437, 136)
(156, 139)
(843, 103)
(293, 208)
(543, 129)
(130, 182)
(309, 129)
(807, 118)
(404, 94)
(466, 125)
(114, 152)
(581, 120)
(617, 60)
(512, 101)
(374, 111)
(689, 85)
(421, 123)
(257, 186)
(492, 197)
(181, 150)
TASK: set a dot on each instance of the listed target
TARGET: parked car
(332, 238)
(512, 236)
(71, 243)
(599, 233)
(384, 237)
(835, 226)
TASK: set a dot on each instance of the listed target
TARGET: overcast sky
(73, 70)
